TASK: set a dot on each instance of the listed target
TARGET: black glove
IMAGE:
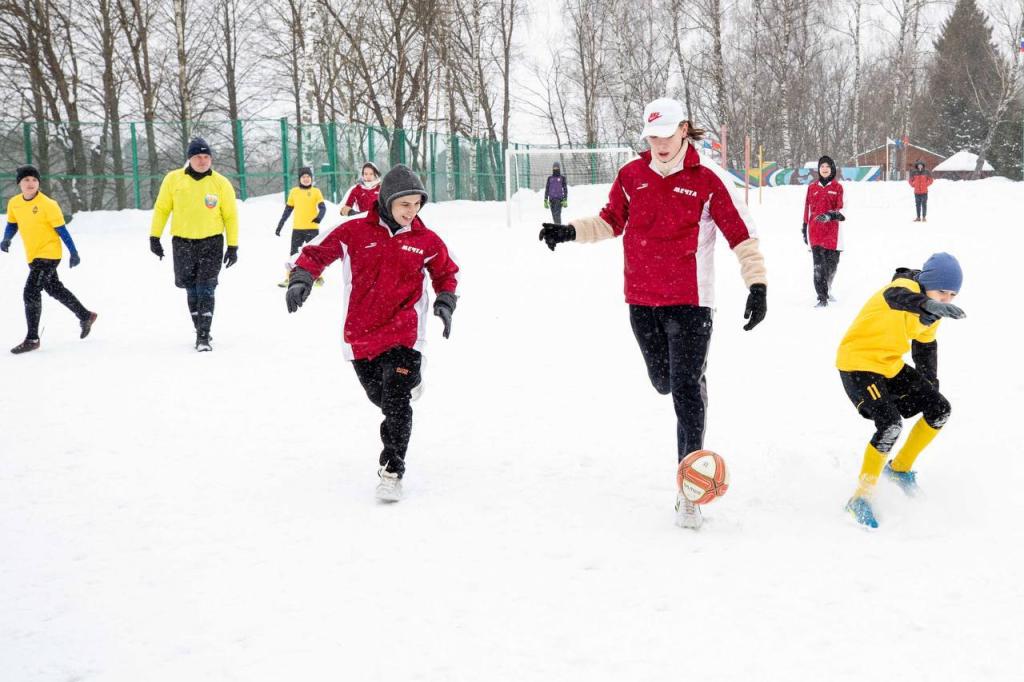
(829, 216)
(757, 305)
(156, 247)
(75, 260)
(554, 234)
(5, 245)
(933, 310)
(277, 232)
(230, 256)
(300, 283)
(805, 233)
(444, 306)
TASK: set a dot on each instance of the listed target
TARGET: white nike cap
(662, 117)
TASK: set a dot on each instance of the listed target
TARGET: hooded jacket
(824, 195)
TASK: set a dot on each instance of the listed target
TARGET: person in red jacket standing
(822, 233)
(668, 206)
(387, 254)
(920, 179)
(363, 194)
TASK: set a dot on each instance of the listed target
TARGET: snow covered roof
(963, 160)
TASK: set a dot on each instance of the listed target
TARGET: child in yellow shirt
(41, 223)
(902, 316)
(308, 204)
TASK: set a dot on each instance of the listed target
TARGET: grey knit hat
(398, 182)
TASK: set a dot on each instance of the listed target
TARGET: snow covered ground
(169, 516)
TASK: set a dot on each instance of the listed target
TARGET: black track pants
(388, 380)
(42, 276)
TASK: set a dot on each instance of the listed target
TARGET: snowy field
(168, 516)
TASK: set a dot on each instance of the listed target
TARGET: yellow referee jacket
(881, 335)
(198, 208)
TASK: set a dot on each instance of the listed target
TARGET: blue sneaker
(860, 510)
(906, 480)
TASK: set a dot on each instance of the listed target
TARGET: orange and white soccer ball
(702, 476)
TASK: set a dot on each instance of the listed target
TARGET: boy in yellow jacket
(308, 204)
(202, 205)
(42, 226)
(902, 316)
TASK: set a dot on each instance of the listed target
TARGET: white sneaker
(390, 487)
(687, 513)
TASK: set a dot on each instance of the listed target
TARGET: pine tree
(963, 71)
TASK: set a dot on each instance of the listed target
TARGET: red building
(900, 158)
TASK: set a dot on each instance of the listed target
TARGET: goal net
(527, 172)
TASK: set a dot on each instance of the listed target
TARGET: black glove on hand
(300, 283)
(757, 305)
(156, 247)
(805, 233)
(230, 256)
(829, 216)
(277, 232)
(444, 306)
(554, 234)
(4, 245)
(75, 260)
(933, 310)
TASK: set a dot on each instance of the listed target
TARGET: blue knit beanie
(941, 271)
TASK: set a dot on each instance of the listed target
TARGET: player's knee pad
(885, 436)
(939, 414)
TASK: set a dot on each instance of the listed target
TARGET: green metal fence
(85, 166)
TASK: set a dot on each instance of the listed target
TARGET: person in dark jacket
(920, 179)
(822, 227)
(556, 192)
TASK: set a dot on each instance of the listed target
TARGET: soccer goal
(527, 171)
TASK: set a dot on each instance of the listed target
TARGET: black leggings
(921, 204)
(300, 237)
(888, 401)
(388, 380)
(826, 262)
(674, 341)
(42, 276)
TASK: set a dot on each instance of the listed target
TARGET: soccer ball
(702, 476)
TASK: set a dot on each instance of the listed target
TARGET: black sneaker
(821, 303)
(26, 346)
(203, 342)
(87, 325)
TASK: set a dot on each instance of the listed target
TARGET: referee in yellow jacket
(201, 203)
(902, 316)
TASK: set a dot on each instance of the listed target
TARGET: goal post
(527, 171)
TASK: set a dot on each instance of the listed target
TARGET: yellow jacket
(200, 208)
(881, 335)
(37, 221)
(306, 202)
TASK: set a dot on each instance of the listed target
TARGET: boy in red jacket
(386, 255)
(920, 180)
(822, 218)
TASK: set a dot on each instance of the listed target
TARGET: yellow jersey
(306, 204)
(37, 220)
(880, 336)
(198, 208)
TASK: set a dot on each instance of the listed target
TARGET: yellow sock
(869, 471)
(918, 440)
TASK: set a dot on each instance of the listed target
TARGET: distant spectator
(556, 192)
(920, 179)
(821, 229)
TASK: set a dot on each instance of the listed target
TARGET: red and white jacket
(362, 198)
(821, 199)
(385, 285)
(668, 227)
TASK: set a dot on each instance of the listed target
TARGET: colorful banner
(774, 176)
